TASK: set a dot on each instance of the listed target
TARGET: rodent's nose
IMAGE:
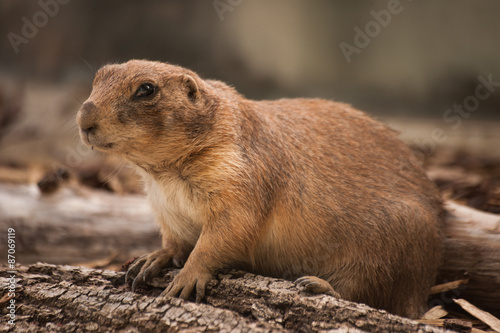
(86, 118)
(89, 129)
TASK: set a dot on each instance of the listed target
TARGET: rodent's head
(138, 108)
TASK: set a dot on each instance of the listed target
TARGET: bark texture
(69, 299)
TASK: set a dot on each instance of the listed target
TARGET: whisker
(70, 125)
(113, 173)
(73, 95)
(86, 63)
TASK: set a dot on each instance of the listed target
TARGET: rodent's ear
(193, 91)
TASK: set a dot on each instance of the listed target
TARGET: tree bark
(66, 298)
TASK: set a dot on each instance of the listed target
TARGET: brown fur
(283, 188)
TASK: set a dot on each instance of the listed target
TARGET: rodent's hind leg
(149, 266)
(316, 285)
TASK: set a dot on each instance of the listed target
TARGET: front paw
(187, 280)
(149, 266)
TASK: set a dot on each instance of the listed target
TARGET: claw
(200, 291)
(147, 274)
(166, 291)
(185, 282)
(135, 268)
(148, 266)
(316, 285)
(301, 281)
(177, 262)
(127, 276)
(136, 284)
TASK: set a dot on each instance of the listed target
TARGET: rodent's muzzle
(86, 120)
(86, 116)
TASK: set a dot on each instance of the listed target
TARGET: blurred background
(430, 69)
(405, 62)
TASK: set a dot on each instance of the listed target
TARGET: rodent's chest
(177, 209)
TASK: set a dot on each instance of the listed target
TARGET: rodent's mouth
(105, 146)
(97, 145)
(101, 146)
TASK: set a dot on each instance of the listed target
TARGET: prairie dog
(287, 188)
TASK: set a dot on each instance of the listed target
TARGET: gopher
(290, 188)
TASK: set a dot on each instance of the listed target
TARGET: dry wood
(19, 176)
(449, 324)
(436, 312)
(444, 287)
(66, 298)
(484, 316)
(6, 298)
(476, 330)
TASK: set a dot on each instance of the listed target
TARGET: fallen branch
(66, 298)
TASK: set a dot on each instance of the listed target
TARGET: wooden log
(75, 225)
(471, 251)
(65, 298)
(70, 299)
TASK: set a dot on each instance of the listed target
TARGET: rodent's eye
(145, 90)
